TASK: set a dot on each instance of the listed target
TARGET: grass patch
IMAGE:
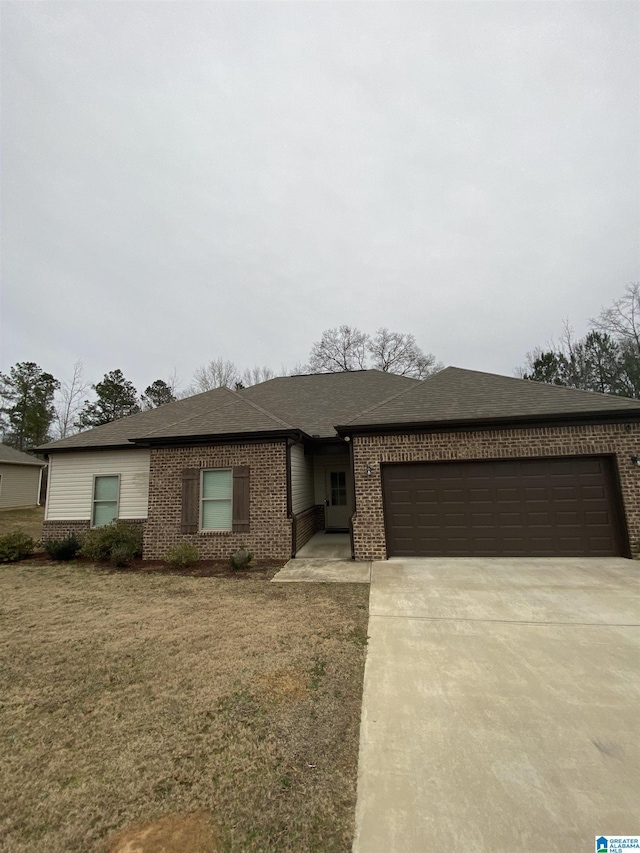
(30, 520)
(223, 711)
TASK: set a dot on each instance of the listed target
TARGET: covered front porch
(321, 496)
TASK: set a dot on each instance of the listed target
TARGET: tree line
(606, 359)
(36, 407)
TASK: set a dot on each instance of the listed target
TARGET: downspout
(294, 522)
(42, 467)
(49, 459)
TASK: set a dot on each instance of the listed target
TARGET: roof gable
(216, 411)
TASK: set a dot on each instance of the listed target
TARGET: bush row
(117, 543)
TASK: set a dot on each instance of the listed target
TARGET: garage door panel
(506, 495)
(593, 493)
(427, 519)
(545, 507)
(596, 517)
(479, 495)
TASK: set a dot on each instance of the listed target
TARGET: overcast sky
(182, 181)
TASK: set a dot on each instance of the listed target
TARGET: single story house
(463, 463)
(20, 478)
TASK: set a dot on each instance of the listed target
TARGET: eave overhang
(220, 438)
(469, 424)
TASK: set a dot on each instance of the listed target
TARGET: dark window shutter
(241, 499)
(190, 500)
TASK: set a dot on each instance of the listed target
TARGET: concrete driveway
(500, 706)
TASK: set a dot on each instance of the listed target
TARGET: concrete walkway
(500, 708)
(326, 558)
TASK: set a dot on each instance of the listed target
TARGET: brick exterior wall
(269, 536)
(623, 440)
(307, 525)
(62, 529)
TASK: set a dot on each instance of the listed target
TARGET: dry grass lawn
(28, 519)
(156, 713)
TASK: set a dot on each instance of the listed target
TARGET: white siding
(71, 482)
(301, 479)
(19, 485)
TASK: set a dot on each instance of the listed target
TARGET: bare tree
(256, 375)
(174, 383)
(622, 319)
(69, 400)
(395, 352)
(216, 374)
(342, 348)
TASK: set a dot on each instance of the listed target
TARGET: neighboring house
(20, 478)
(463, 463)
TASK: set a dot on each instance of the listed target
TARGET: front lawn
(198, 714)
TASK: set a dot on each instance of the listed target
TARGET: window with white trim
(106, 492)
(216, 497)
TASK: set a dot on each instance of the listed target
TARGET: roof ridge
(186, 418)
(261, 409)
(411, 388)
(233, 398)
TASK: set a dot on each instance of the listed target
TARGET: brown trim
(240, 499)
(352, 468)
(468, 425)
(190, 503)
(264, 437)
(289, 497)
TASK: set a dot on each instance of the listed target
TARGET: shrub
(119, 542)
(63, 549)
(121, 555)
(15, 546)
(240, 559)
(182, 555)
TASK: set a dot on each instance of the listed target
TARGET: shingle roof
(11, 456)
(455, 395)
(316, 402)
(218, 411)
(311, 403)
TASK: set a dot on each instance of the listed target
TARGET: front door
(337, 501)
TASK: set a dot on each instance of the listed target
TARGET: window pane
(338, 479)
(338, 488)
(216, 515)
(106, 489)
(104, 513)
(217, 484)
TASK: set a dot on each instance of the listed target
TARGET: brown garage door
(530, 507)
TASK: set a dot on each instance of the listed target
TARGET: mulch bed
(202, 569)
